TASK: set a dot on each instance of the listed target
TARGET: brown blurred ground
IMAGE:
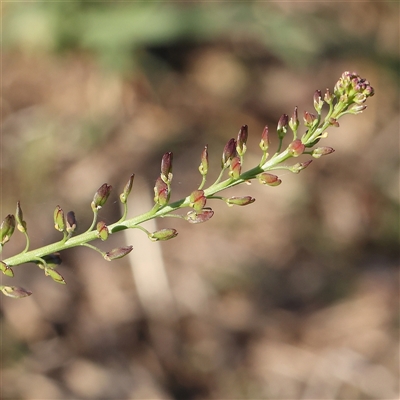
(293, 297)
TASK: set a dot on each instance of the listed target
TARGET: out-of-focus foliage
(293, 297)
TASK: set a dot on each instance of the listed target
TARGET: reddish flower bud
(318, 102)
(197, 200)
(15, 292)
(294, 121)
(101, 196)
(102, 230)
(6, 270)
(309, 118)
(240, 201)
(242, 140)
(71, 222)
(264, 143)
(296, 148)
(322, 151)
(161, 192)
(7, 229)
(296, 168)
(229, 152)
(59, 221)
(21, 224)
(203, 168)
(56, 276)
(334, 122)
(163, 234)
(282, 126)
(166, 167)
(127, 189)
(328, 96)
(198, 217)
(235, 168)
(269, 179)
(117, 253)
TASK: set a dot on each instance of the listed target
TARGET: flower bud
(235, 168)
(318, 102)
(15, 292)
(296, 148)
(166, 167)
(228, 153)
(161, 192)
(296, 168)
(328, 97)
(117, 253)
(127, 189)
(52, 260)
(59, 221)
(71, 222)
(203, 168)
(309, 119)
(334, 122)
(294, 121)
(269, 179)
(101, 196)
(264, 143)
(102, 231)
(198, 217)
(56, 276)
(6, 270)
(7, 229)
(240, 201)
(163, 234)
(21, 224)
(282, 126)
(242, 140)
(197, 200)
(358, 109)
(322, 151)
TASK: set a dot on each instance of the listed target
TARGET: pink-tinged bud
(161, 192)
(235, 168)
(228, 153)
(56, 276)
(117, 253)
(203, 168)
(358, 109)
(163, 234)
(334, 122)
(102, 231)
(21, 224)
(166, 167)
(282, 126)
(199, 217)
(296, 168)
(7, 229)
(15, 292)
(309, 118)
(328, 96)
(296, 148)
(264, 143)
(197, 200)
(101, 196)
(322, 151)
(318, 102)
(240, 201)
(127, 189)
(6, 270)
(242, 140)
(294, 121)
(71, 222)
(269, 179)
(59, 221)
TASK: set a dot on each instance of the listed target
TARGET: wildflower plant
(348, 97)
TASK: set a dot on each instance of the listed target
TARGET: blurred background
(293, 297)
